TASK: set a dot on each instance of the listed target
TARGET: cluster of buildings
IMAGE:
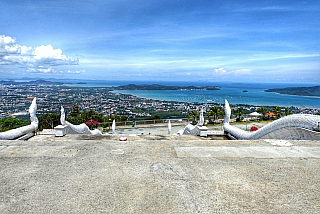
(16, 99)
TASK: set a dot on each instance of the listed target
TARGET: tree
(287, 111)
(124, 118)
(238, 113)
(262, 110)
(115, 117)
(91, 114)
(154, 117)
(276, 110)
(78, 118)
(215, 112)
(75, 120)
(75, 111)
(48, 120)
(194, 114)
(12, 123)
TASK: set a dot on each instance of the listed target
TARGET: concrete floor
(161, 130)
(158, 174)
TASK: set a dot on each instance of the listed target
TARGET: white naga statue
(294, 127)
(195, 129)
(25, 131)
(76, 129)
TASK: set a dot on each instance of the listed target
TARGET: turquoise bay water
(233, 92)
(234, 96)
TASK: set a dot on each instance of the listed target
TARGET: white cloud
(25, 49)
(242, 71)
(219, 71)
(237, 72)
(7, 72)
(47, 55)
(44, 70)
(38, 59)
(8, 45)
(76, 72)
(41, 69)
(264, 57)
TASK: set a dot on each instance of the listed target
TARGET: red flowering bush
(253, 128)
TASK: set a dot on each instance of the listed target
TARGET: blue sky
(246, 41)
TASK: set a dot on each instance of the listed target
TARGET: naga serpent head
(63, 116)
(33, 107)
(33, 111)
(227, 111)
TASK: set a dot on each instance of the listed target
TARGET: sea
(232, 91)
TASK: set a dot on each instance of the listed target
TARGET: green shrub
(12, 123)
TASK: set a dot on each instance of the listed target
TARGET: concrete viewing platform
(158, 174)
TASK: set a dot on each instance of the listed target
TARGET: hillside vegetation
(313, 91)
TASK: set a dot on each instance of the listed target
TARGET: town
(15, 100)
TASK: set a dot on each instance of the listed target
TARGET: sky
(203, 40)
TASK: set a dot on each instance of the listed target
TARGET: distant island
(313, 91)
(158, 87)
(81, 83)
(33, 82)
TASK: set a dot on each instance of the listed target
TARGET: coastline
(254, 101)
(256, 95)
(292, 94)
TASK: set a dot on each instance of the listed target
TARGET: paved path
(74, 175)
(161, 130)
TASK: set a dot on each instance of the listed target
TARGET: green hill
(313, 91)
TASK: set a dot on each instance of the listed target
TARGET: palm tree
(215, 112)
(276, 110)
(238, 113)
(262, 110)
(193, 114)
(287, 111)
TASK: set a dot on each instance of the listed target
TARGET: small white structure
(203, 131)
(60, 130)
(255, 114)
